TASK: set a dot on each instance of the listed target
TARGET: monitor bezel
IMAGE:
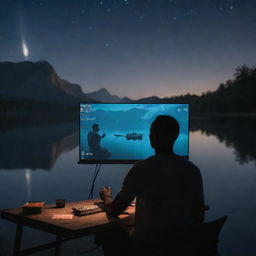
(126, 161)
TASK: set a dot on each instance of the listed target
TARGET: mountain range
(26, 85)
(39, 81)
(104, 96)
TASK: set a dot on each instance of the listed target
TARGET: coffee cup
(60, 203)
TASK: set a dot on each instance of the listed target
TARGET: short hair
(95, 126)
(165, 129)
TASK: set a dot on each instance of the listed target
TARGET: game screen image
(120, 132)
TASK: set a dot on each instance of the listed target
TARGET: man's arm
(114, 207)
(125, 196)
(198, 205)
(106, 197)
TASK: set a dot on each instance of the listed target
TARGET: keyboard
(87, 210)
(91, 209)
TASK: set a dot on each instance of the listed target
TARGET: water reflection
(28, 183)
(235, 132)
(36, 146)
(229, 186)
(39, 144)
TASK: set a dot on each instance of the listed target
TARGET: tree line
(235, 95)
(10, 104)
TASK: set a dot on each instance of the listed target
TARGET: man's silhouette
(94, 140)
(167, 187)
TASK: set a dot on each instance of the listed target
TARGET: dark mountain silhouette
(38, 81)
(152, 99)
(104, 96)
(126, 100)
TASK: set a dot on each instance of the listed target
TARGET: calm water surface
(40, 163)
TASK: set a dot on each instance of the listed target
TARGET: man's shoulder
(140, 166)
(143, 163)
(190, 169)
(190, 165)
(185, 164)
(175, 161)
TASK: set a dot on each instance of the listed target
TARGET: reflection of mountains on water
(15, 120)
(36, 147)
(236, 132)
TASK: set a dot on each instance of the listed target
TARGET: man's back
(167, 188)
(93, 140)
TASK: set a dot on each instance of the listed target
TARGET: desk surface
(85, 225)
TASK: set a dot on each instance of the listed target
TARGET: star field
(133, 48)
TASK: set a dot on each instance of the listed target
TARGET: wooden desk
(63, 229)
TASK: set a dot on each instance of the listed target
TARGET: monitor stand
(95, 175)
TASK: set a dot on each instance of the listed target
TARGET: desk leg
(17, 242)
(58, 245)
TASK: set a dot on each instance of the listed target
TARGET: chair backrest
(209, 230)
(203, 238)
(199, 239)
(189, 240)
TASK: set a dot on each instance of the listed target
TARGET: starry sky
(134, 48)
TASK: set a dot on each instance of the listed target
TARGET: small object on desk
(33, 207)
(60, 203)
(87, 209)
(62, 216)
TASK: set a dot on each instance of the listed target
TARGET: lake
(39, 162)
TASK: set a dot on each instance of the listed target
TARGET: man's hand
(106, 193)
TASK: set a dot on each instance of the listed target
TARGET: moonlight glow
(25, 49)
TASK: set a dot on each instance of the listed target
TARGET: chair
(187, 240)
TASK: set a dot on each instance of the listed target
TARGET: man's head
(95, 127)
(163, 133)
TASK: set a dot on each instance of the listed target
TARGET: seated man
(94, 143)
(167, 187)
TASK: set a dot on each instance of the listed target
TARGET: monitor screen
(119, 133)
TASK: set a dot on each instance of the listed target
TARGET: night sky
(134, 48)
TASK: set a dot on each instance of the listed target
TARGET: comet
(25, 49)
(24, 46)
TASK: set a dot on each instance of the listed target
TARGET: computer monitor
(119, 133)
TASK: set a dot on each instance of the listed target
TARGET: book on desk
(33, 207)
